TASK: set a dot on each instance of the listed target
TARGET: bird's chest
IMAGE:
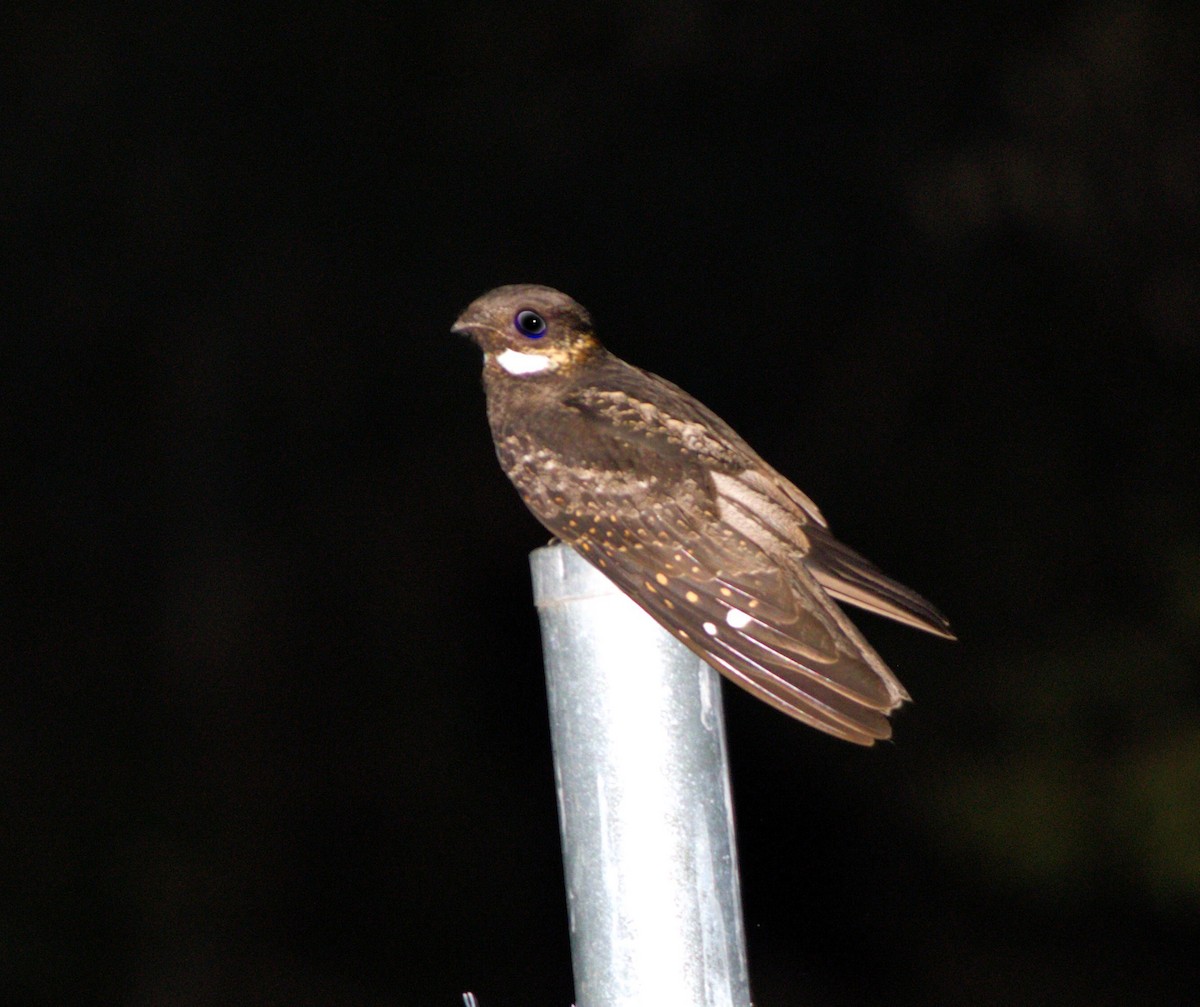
(530, 415)
(542, 442)
(566, 460)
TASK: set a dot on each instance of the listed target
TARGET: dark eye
(531, 324)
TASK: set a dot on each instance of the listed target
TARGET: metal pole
(643, 798)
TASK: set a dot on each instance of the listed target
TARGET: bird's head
(527, 329)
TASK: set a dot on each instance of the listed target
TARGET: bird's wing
(770, 629)
(776, 516)
(765, 506)
(855, 580)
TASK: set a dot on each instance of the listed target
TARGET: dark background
(272, 728)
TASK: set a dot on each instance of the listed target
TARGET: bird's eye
(531, 324)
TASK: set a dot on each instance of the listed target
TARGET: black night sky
(273, 723)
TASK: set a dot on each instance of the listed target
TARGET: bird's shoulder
(643, 409)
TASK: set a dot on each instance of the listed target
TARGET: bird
(664, 498)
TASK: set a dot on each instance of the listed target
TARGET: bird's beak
(468, 324)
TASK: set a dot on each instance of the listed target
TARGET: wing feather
(776, 518)
(771, 629)
(854, 579)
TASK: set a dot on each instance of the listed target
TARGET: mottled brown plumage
(681, 513)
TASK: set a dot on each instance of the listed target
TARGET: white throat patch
(523, 363)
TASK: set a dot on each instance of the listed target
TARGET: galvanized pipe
(643, 797)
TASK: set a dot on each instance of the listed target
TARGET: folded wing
(783, 522)
(770, 628)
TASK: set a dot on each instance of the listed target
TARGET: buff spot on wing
(661, 578)
(737, 618)
(692, 597)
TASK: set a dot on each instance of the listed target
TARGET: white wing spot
(737, 618)
(516, 362)
(710, 629)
